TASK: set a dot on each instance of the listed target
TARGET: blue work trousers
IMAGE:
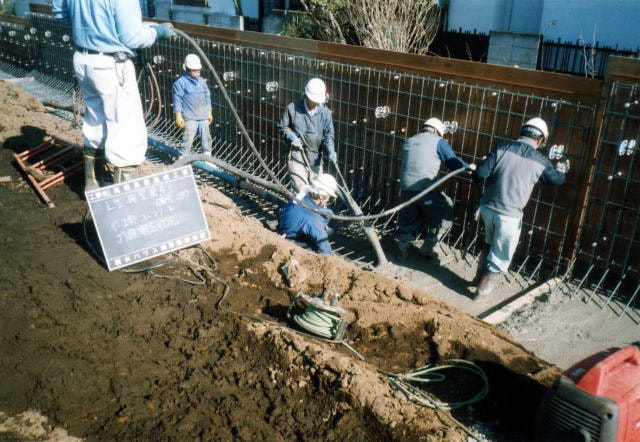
(193, 128)
(433, 211)
(502, 234)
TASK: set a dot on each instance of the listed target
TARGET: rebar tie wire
(273, 176)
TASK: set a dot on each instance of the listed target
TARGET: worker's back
(106, 26)
(304, 225)
(420, 161)
(512, 170)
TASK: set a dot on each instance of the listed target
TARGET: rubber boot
(90, 180)
(482, 264)
(428, 249)
(122, 174)
(403, 250)
(103, 174)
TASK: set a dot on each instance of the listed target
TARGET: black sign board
(148, 216)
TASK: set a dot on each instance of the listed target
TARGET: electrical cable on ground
(273, 176)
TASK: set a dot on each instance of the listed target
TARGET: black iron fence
(579, 58)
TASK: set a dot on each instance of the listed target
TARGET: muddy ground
(150, 355)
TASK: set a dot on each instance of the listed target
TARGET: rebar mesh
(374, 111)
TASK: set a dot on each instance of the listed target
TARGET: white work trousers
(113, 120)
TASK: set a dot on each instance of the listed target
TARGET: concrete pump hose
(273, 176)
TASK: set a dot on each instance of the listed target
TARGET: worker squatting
(106, 32)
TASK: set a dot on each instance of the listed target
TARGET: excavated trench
(148, 355)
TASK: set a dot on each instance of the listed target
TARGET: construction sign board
(148, 216)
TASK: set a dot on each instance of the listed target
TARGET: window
(191, 2)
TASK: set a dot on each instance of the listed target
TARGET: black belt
(119, 56)
(92, 52)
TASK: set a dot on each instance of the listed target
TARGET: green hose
(318, 321)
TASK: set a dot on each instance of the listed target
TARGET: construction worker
(192, 105)
(105, 32)
(422, 156)
(306, 228)
(307, 126)
(511, 170)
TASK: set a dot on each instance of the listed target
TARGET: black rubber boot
(482, 264)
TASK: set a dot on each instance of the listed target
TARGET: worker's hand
(472, 167)
(210, 120)
(164, 30)
(297, 143)
(179, 120)
(562, 166)
(333, 157)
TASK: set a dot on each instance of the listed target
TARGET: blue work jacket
(315, 130)
(191, 96)
(304, 226)
(105, 25)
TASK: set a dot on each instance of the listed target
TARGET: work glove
(297, 143)
(210, 120)
(331, 153)
(164, 30)
(179, 120)
(562, 166)
(472, 167)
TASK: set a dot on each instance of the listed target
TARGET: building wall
(221, 13)
(488, 15)
(614, 22)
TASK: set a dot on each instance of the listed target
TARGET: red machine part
(613, 374)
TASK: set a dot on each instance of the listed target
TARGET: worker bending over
(306, 228)
(105, 33)
(307, 126)
(192, 105)
(422, 156)
(511, 171)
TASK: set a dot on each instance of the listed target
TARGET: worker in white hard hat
(105, 34)
(511, 171)
(306, 228)
(422, 156)
(192, 105)
(307, 127)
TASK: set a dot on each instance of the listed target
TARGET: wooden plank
(40, 8)
(623, 68)
(526, 298)
(573, 88)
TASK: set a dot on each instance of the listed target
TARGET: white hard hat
(316, 91)
(325, 185)
(192, 61)
(436, 124)
(539, 124)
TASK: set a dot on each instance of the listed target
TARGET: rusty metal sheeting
(380, 98)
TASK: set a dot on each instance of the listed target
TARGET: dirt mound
(24, 122)
(149, 355)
